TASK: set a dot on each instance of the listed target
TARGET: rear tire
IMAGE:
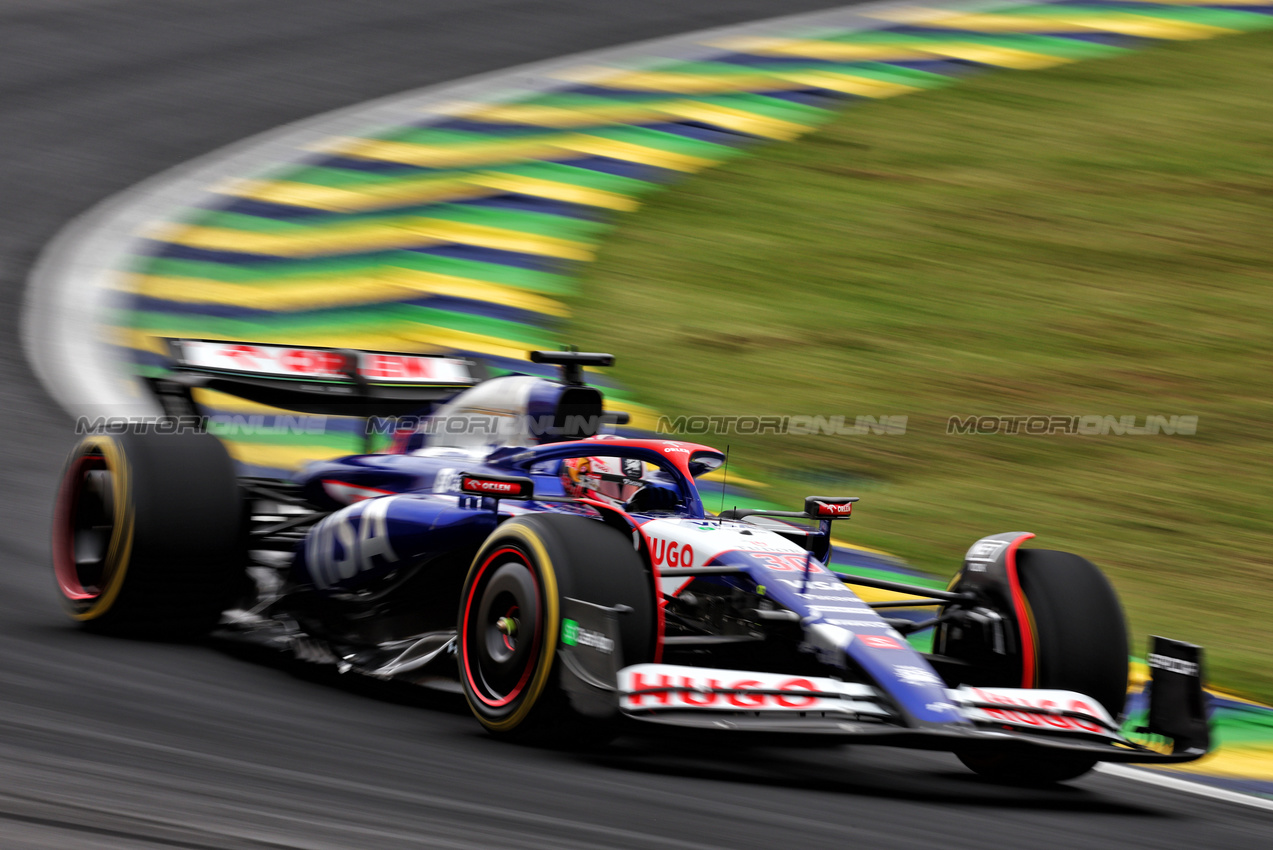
(148, 533)
(1080, 638)
(516, 584)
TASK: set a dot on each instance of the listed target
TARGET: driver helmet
(613, 480)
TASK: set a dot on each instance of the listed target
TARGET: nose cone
(904, 675)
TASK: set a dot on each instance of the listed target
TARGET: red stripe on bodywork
(353, 498)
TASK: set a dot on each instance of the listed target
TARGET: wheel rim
(502, 628)
(84, 527)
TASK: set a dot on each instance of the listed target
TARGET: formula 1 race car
(570, 582)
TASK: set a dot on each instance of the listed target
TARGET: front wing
(981, 718)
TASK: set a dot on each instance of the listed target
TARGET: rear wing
(318, 381)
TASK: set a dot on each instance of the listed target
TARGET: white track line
(1188, 786)
(75, 279)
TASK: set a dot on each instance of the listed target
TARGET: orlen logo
(246, 354)
(664, 690)
(309, 362)
(827, 509)
(483, 485)
(398, 366)
(268, 359)
(1029, 718)
(670, 553)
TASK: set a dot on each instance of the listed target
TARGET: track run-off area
(444, 218)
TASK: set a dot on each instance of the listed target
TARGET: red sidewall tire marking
(1029, 653)
(464, 631)
(68, 578)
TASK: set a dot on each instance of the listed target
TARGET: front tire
(510, 619)
(148, 533)
(1080, 640)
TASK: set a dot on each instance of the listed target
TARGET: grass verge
(1093, 239)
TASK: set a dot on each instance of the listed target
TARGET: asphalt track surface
(109, 743)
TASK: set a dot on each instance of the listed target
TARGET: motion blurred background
(1087, 238)
(920, 228)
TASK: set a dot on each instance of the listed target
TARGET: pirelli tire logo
(986, 550)
(1172, 665)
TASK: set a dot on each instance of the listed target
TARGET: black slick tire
(509, 622)
(1080, 639)
(148, 533)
